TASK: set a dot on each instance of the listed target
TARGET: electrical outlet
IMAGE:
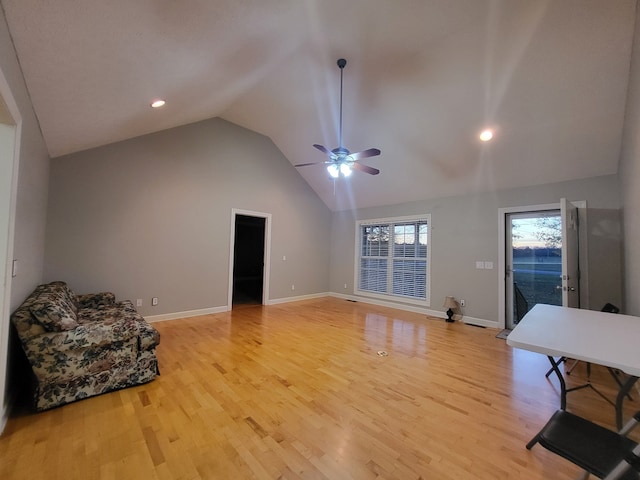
(293, 287)
(139, 302)
(154, 301)
(345, 285)
(462, 303)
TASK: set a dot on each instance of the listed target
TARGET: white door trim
(8, 198)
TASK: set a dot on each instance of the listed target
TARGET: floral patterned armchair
(83, 345)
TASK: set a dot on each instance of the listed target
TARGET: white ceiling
(423, 77)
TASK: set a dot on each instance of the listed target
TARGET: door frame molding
(582, 254)
(15, 121)
(267, 253)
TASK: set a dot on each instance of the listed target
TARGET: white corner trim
(186, 314)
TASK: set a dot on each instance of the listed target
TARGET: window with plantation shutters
(393, 258)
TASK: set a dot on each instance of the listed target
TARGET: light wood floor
(299, 391)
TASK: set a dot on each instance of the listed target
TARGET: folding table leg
(563, 385)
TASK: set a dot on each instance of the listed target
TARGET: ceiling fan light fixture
(333, 170)
(158, 103)
(345, 169)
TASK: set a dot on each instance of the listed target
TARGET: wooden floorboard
(299, 391)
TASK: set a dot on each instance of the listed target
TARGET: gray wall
(465, 229)
(630, 183)
(151, 217)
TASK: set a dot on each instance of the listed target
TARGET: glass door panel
(534, 262)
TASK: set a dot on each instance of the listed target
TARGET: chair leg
(532, 442)
(615, 376)
(569, 370)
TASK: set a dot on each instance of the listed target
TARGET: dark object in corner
(449, 315)
(610, 308)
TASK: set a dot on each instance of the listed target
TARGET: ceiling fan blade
(366, 168)
(322, 149)
(307, 164)
(372, 152)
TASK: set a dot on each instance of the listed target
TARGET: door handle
(565, 289)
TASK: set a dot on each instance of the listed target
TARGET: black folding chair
(599, 451)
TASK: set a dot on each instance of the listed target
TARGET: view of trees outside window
(537, 260)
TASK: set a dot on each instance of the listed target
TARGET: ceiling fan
(341, 160)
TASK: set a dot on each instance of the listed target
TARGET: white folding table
(607, 339)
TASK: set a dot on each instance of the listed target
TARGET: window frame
(391, 222)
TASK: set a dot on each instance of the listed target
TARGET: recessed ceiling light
(158, 103)
(486, 135)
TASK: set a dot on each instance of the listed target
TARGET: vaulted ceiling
(423, 78)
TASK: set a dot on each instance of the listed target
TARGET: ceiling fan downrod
(341, 64)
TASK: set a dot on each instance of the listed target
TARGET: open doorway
(250, 259)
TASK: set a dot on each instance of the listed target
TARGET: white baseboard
(277, 301)
(384, 303)
(188, 313)
(354, 298)
(415, 309)
(4, 418)
(481, 322)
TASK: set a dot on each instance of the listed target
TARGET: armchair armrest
(95, 300)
